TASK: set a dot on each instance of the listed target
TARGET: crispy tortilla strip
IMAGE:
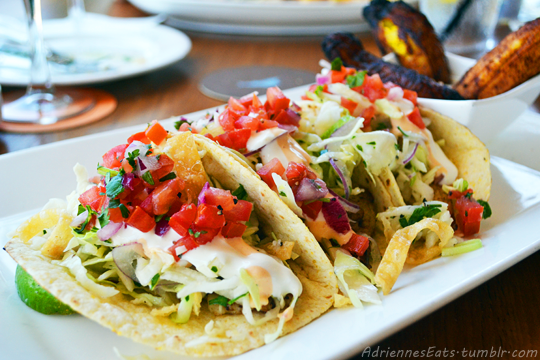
(398, 249)
(60, 237)
(383, 187)
(182, 149)
(137, 322)
(465, 150)
(36, 224)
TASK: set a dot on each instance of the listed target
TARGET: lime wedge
(37, 298)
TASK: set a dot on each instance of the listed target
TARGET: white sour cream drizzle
(259, 139)
(272, 277)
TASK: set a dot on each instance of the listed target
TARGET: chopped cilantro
(236, 298)
(196, 234)
(356, 79)
(426, 211)
(169, 176)
(318, 91)
(80, 229)
(104, 218)
(131, 158)
(44, 231)
(359, 147)
(220, 300)
(240, 193)
(372, 143)
(148, 178)
(187, 298)
(281, 193)
(487, 209)
(337, 64)
(179, 123)
(334, 242)
(396, 146)
(159, 217)
(154, 281)
(403, 132)
(114, 204)
(114, 187)
(214, 269)
(381, 126)
(124, 210)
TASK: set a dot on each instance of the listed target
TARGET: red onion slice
(288, 128)
(125, 255)
(322, 79)
(335, 216)
(395, 93)
(295, 107)
(128, 181)
(411, 155)
(347, 205)
(342, 177)
(79, 219)
(162, 226)
(310, 189)
(253, 152)
(106, 232)
(202, 199)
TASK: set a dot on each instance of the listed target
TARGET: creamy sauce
(272, 277)
(259, 139)
(129, 234)
(320, 229)
(285, 149)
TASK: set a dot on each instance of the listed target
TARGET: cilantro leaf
(337, 64)
(334, 243)
(487, 209)
(179, 123)
(214, 269)
(356, 79)
(426, 211)
(169, 176)
(220, 300)
(114, 187)
(148, 178)
(131, 158)
(154, 281)
(104, 218)
(240, 193)
(124, 210)
(236, 298)
(281, 193)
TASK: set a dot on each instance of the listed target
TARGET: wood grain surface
(502, 314)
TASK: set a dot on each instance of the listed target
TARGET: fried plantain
(515, 60)
(347, 47)
(403, 30)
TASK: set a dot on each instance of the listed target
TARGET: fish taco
(358, 161)
(178, 246)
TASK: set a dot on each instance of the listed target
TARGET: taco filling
(352, 148)
(154, 228)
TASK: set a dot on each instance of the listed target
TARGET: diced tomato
(140, 136)
(295, 173)
(267, 124)
(349, 104)
(165, 195)
(247, 122)
(126, 166)
(357, 245)
(156, 133)
(313, 88)
(273, 166)
(187, 241)
(235, 139)
(468, 213)
(226, 120)
(276, 99)
(182, 220)
(416, 118)
(410, 95)
(233, 229)
(94, 197)
(368, 114)
(256, 104)
(312, 209)
(247, 100)
(115, 215)
(341, 75)
(187, 127)
(208, 216)
(147, 205)
(304, 97)
(113, 158)
(454, 194)
(215, 196)
(139, 219)
(236, 105)
(288, 117)
(210, 136)
(166, 165)
(239, 212)
(372, 88)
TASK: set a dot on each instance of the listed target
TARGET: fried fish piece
(347, 47)
(515, 60)
(403, 30)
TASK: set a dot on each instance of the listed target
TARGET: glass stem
(40, 75)
(76, 12)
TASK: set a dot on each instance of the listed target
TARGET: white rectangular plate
(30, 177)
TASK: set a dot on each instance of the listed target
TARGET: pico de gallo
(137, 233)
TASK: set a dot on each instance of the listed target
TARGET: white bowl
(487, 117)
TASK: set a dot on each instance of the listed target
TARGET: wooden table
(500, 314)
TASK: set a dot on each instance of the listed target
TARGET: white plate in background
(267, 18)
(129, 47)
(509, 236)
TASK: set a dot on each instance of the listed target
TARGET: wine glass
(43, 103)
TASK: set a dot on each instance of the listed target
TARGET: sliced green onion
(462, 248)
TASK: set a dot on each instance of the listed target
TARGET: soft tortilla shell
(135, 321)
